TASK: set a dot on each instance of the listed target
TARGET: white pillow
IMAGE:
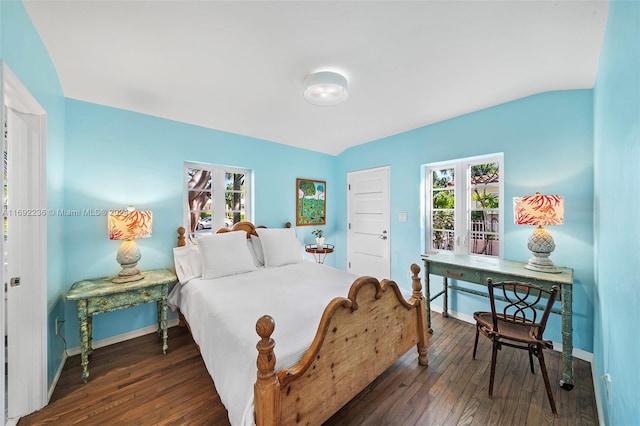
(188, 263)
(280, 246)
(257, 248)
(225, 254)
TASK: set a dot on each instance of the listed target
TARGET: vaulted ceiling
(239, 66)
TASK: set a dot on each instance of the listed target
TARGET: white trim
(31, 389)
(56, 377)
(599, 402)
(454, 314)
(3, 378)
(218, 193)
(21, 98)
(577, 353)
(124, 337)
(463, 204)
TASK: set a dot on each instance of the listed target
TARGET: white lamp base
(128, 257)
(540, 262)
(120, 279)
(541, 245)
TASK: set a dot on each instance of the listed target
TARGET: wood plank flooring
(133, 383)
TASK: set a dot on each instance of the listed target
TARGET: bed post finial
(416, 283)
(181, 242)
(266, 391)
(423, 337)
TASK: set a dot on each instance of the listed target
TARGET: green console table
(476, 270)
(100, 295)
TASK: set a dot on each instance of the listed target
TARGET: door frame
(32, 368)
(388, 224)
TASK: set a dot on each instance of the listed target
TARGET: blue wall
(111, 149)
(115, 158)
(23, 51)
(547, 142)
(617, 191)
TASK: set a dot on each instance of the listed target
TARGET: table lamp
(129, 225)
(539, 210)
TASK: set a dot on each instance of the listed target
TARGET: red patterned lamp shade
(539, 210)
(129, 225)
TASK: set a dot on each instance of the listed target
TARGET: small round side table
(319, 254)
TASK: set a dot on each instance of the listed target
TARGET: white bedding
(222, 314)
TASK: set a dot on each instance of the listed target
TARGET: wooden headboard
(245, 226)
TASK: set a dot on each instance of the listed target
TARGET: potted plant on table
(319, 238)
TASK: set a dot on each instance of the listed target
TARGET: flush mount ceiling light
(325, 88)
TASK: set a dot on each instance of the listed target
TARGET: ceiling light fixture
(325, 88)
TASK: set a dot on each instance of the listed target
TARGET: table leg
(427, 289)
(445, 297)
(567, 337)
(90, 331)
(163, 323)
(159, 317)
(85, 338)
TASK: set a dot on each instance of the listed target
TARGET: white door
(369, 238)
(24, 271)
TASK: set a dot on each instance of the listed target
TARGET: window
(215, 197)
(464, 206)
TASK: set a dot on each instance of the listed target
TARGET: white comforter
(222, 314)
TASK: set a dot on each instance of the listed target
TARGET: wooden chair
(517, 324)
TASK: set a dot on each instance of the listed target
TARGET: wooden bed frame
(358, 338)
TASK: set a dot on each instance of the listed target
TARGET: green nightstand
(100, 295)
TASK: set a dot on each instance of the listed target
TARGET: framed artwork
(310, 202)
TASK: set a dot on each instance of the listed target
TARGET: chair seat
(524, 333)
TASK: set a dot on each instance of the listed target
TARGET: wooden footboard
(358, 338)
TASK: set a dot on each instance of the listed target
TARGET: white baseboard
(454, 314)
(122, 337)
(577, 353)
(56, 377)
(599, 403)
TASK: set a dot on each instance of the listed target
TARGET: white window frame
(462, 209)
(218, 191)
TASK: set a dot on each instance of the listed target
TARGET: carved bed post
(267, 388)
(422, 315)
(181, 242)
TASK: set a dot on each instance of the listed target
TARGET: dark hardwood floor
(133, 383)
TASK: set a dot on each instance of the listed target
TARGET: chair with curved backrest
(518, 324)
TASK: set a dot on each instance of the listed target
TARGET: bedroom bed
(316, 349)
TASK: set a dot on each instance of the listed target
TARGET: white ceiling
(239, 66)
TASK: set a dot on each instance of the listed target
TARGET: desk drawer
(456, 272)
(124, 300)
